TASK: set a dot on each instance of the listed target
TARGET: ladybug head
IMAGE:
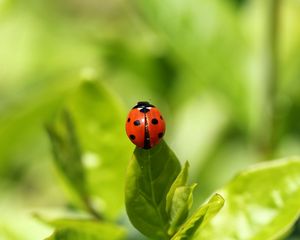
(143, 105)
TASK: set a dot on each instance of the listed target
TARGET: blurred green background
(225, 74)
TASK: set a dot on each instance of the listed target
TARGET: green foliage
(99, 120)
(88, 160)
(69, 229)
(179, 200)
(149, 177)
(251, 212)
(67, 153)
(181, 204)
(157, 198)
(202, 216)
(262, 203)
(180, 181)
(205, 64)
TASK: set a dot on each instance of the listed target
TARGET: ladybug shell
(145, 125)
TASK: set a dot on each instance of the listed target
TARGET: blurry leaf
(149, 178)
(99, 120)
(202, 216)
(24, 116)
(67, 153)
(295, 232)
(262, 203)
(70, 229)
(181, 204)
(15, 222)
(179, 181)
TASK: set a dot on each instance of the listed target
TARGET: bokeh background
(225, 74)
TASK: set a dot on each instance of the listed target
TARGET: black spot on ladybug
(128, 120)
(136, 122)
(144, 110)
(132, 137)
(161, 117)
(154, 121)
(161, 134)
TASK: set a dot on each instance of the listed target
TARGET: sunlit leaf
(181, 204)
(202, 216)
(179, 181)
(69, 229)
(149, 178)
(98, 166)
(262, 203)
(67, 153)
(99, 121)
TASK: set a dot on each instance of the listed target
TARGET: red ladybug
(145, 125)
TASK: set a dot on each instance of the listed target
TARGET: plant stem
(269, 124)
(92, 210)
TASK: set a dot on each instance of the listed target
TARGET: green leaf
(202, 216)
(181, 204)
(149, 177)
(179, 181)
(262, 203)
(71, 229)
(67, 153)
(95, 169)
(99, 120)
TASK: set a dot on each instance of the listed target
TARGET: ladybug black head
(143, 105)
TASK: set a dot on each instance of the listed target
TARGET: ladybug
(145, 125)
